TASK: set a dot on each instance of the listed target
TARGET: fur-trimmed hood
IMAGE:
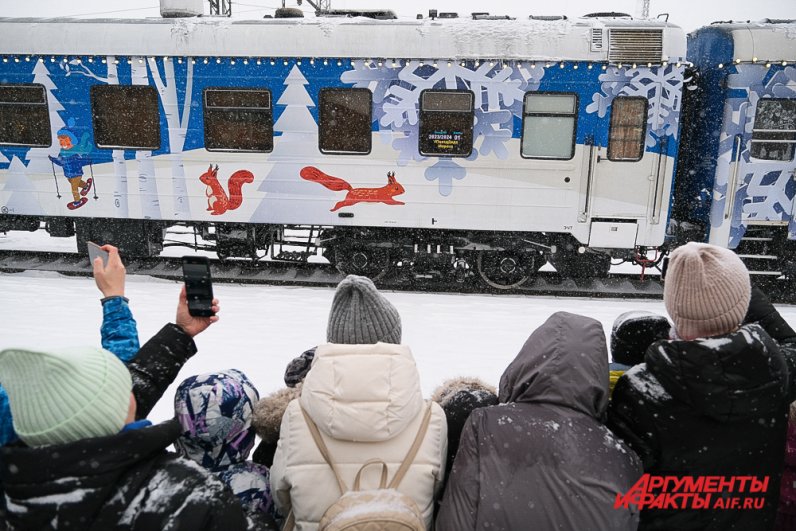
(268, 412)
(447, 390)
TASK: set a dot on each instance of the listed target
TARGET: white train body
(542, 96)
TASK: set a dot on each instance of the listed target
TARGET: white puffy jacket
(367, 403)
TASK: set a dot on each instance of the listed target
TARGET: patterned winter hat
(707, 290)
(361, 315)
(215, 412)
(65, 395)
(68, 132)
(298, 367)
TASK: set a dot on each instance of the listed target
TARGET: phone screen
(95, 251)
(198, 286)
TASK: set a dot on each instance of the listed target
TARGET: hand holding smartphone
(198, 285)
(95, 251)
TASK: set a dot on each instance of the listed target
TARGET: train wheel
(504, 269)
(365, 261)
(581, 265)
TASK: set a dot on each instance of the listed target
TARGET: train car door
(729, 172)
(759, 166)
(624, 179)
(768, 172)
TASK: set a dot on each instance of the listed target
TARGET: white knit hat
(62, 396)
(706, 291)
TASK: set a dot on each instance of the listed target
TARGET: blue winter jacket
(119, 335)
(72, 164)
(119, 330)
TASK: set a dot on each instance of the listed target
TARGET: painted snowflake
(498, 88)
(766, 188)
(661, 86)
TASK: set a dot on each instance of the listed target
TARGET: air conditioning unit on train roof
(181, 8)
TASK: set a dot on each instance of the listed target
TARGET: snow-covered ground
(263, 327)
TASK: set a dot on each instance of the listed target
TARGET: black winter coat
(125, 481)
(709, 407)
(157, 364)
(542, 459)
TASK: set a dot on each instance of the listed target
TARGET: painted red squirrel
(355, 195)
(217, 200)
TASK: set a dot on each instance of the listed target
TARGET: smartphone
(198, 285)
(95, 251)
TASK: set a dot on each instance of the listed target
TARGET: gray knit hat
(62, 396)
(707, 290)
(361, 315)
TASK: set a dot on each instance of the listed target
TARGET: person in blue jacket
(74, 155)
(168, 350)
(153, 366)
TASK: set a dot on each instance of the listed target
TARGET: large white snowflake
(661, 86)
(499, 90)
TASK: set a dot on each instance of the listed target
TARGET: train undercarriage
(502, 261)
(530, 263)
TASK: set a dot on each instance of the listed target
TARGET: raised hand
(193, 325)
(110, 278)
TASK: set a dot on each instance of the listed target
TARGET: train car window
(548, 125)
(125, 116)
(24, 116)
(628, 129)
(774, 130)
(238, 119)
(345, 121)
(446, 123)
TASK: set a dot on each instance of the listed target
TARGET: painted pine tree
(23, 174)
(295, 148)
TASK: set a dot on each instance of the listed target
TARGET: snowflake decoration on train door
(499, 90)
(766, 190)
(662, 86)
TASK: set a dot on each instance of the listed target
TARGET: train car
(449, 147)
(735, 183)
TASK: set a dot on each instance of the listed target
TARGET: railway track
(549, 283)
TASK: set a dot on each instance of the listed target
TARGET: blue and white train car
(737, 171)
(488, 144)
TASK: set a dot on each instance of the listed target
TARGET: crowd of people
(567, 441)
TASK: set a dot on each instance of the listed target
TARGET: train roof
(767, 40)
(586, 39)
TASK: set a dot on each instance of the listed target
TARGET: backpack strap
(399, 475)
(290, 521)
(384, 470)
(316, 435)
(410, 456)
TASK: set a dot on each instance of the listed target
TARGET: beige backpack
(380, 509)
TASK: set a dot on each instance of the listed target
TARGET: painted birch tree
(177, 118)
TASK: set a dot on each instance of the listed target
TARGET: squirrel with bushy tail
(353, 196)
(218, 201)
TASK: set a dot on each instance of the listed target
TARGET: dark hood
(563, 362)
(729, 378)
